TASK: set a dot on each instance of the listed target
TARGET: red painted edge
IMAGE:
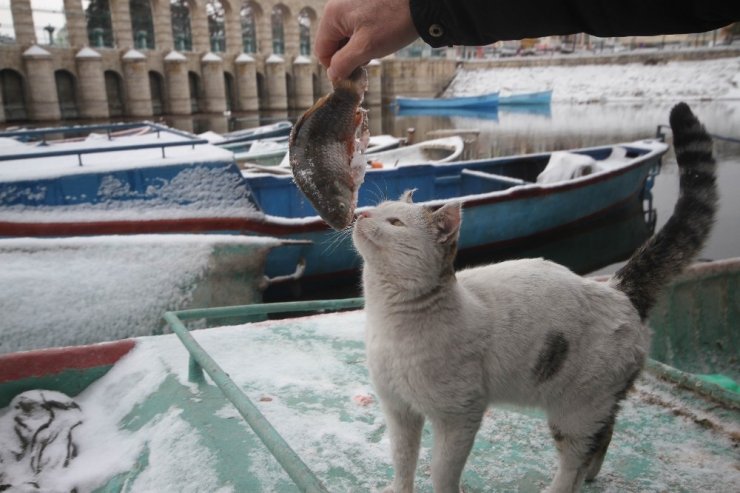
(37, 363)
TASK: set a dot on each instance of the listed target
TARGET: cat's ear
(446, 221)
(408, 196)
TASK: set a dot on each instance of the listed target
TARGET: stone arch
(195, 91)
(156, 87)
(182, 31)
(66, 93)
(142, 24)
(230, 91)
(99, 24)
(14, 95)
(307, 29)
(251, 15)
(280, 17)
(114, 92)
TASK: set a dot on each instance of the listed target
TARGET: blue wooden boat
(482, 101)
(526, 98)
(207, 193)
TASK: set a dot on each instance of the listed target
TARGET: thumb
(348, 58)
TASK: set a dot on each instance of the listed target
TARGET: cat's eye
(395, 221)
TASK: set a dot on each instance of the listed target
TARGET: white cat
(444, 345)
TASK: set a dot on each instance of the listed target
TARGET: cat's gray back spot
(551, 358)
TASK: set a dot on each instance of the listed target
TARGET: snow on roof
(50, 167)
(174, 56)
(301, 60)
(36, 51)
(275, 59)
(374, 62)
(134, 55)
(211, 57)
(244, 58)
(87, 52)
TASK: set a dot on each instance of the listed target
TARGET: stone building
(69, 59)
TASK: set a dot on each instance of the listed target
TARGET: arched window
(142, 26)
(249, 14)
(14, 96)
(114, 92)
(67, 94)
(181, 31)
(49, 22)
(7, 32)
(194, 83)
(99, 26)
(305, 19)
(216, 30)
(278, 29)
(156, 87)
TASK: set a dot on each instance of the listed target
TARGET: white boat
(434, 151)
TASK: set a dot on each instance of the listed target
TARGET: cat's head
(415, 243)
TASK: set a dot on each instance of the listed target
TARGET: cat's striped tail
(680, 240)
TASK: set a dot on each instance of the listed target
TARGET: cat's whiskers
(336, 239)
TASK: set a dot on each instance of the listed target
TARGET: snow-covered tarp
(66, 291)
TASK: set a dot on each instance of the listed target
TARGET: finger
(330, 37)
(349, 57)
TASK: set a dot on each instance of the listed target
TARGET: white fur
(443, 346)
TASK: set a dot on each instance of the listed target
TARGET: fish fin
(305, 116)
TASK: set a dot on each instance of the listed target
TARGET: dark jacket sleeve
(482, 22)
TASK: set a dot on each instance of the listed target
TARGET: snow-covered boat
(198, 188)
(288, 405)
(433, 151)
(278, 129)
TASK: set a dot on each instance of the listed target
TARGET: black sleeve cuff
(430, 19)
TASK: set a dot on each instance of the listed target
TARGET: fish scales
(326, 147)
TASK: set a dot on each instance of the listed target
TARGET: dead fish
(326, 149)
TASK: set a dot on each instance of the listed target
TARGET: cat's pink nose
(364, 214)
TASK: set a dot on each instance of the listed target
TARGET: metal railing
(41, 135)
(200, 361)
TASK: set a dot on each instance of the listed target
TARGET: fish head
(340, 201)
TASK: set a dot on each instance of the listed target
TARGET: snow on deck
(672, 81)
(52, 167)
(309, 377)
(67, 291)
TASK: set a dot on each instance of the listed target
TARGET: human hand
(353, 32)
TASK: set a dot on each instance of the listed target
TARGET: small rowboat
(482, 101)
(525, 98)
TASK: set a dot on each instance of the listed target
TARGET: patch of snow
(88, 53)
(174, 56)
(275, 59)
(211, 136)
(36, 51)
(65, 291)
(133, 55)
(672, 81)
(211, 57)
(301, 60)
(244, 58)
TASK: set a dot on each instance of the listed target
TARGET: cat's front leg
(453, 439)
(404, 429)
